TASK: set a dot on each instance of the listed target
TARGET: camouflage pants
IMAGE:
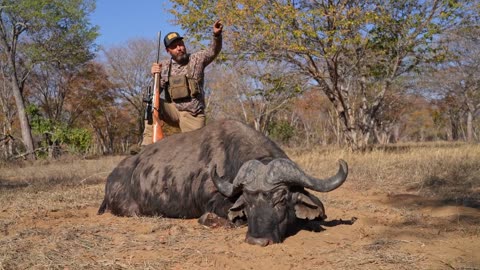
(173, 117)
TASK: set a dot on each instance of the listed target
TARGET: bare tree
(254, 92)
(455, 81)
(128, 67)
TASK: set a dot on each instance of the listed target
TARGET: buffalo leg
(212, 220)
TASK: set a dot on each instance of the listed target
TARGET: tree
(224, 89)
(312, 117)
(394, 106)
(457, 81)
(352, 50)
(253, 92)
(93, 103)
(7, 106)
(69, 105)
(49, 87)
(57, 135)
(454, 83)
(37, 31)
(418, 120)
(128, 66)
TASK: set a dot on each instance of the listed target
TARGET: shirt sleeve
(164, 74)
(207, 55)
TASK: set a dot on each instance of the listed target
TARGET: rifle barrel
(157, 123)
(158, 46)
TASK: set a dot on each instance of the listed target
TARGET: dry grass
(450, 171)
(418, 208)
(53, 185)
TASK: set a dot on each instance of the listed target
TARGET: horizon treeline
(305, 73)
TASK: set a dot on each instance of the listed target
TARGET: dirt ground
(48, 220)
(392, 231)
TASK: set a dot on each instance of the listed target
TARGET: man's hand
(217, 28)
(156, 68)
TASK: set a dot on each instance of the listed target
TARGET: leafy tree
(93, 103)
(281, 130)
(56, 134)
(39, 31)
(69, 104)
(352, 50)
(49, 87)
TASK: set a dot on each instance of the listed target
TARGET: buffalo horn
(245, 175)
(286, 171)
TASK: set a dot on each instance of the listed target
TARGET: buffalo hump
(171, 178)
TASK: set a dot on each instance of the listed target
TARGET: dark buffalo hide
(226, 169)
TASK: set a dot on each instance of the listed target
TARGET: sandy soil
(392, 231)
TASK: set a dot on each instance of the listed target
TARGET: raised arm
(215, 47)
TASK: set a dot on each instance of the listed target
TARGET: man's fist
(156, 68)
(217, 28)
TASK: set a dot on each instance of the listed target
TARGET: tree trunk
(8, 141)
(9, 53)
(455, 125)
(24, 123)
(469, 126)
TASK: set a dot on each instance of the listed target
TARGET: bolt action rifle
(148, 98)
(153, 103)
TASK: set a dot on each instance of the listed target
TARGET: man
(182, 80)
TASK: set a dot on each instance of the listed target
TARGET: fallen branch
(23, 155)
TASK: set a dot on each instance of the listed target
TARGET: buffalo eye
(280, 202)
(280, 197)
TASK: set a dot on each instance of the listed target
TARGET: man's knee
(147, 134)
(189, 122)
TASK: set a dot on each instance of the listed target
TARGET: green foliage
(40, 125)
(56, 31)
(281, 130)
(32, 32)
(77, 140)
(353, 51)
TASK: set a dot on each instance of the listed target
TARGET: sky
(121, 20)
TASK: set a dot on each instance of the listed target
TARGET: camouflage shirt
(196, 65)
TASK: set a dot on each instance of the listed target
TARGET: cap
(170, 38)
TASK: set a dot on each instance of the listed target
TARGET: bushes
(281, 131)
(57, 137)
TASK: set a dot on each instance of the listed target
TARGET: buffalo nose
(258, 241)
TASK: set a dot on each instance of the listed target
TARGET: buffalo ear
(236, 211)
(308, 207)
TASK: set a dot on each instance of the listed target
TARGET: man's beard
(181, 59)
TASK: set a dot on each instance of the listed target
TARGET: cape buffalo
(226, 169)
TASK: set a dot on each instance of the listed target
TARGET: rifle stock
(157, 123)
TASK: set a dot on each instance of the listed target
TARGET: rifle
(148, 98)
(153, 103)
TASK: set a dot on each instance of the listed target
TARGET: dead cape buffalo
(227, 170)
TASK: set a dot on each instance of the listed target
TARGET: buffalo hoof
(214, 221)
